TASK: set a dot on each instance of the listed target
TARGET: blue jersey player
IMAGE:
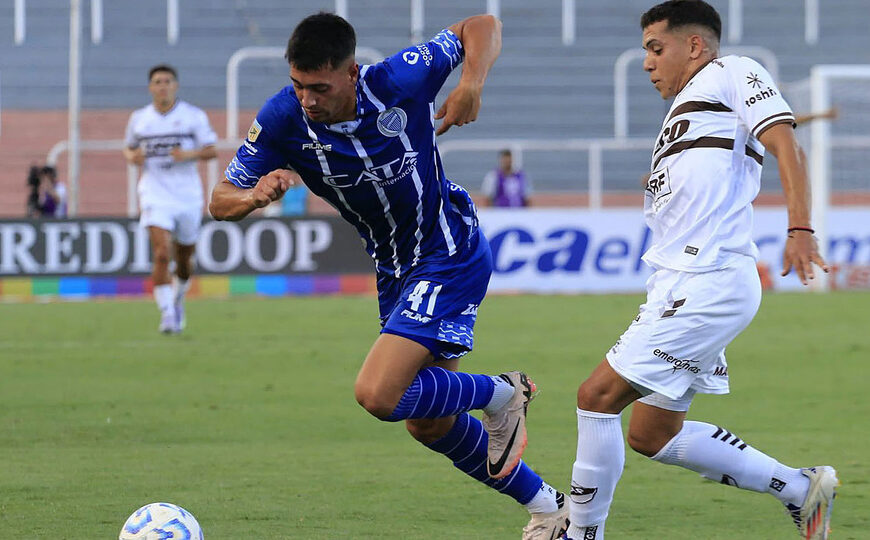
(363, 138)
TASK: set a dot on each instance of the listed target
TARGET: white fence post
(172, 21)
(568, 22)
(96, 21)
(417, 23)
(735, 21)
(811, 21)
(74, 97)
(20, 22)
(341, 9)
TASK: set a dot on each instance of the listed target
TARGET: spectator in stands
(166, 139)
(506, 186)
(52, 194)
(47, 196)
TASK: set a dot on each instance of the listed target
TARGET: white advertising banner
(582, 251)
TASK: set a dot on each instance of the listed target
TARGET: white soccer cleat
(549, 525)
(813, 517)
(507, 427)
(167, 323)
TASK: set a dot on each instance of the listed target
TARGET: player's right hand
(273, 186)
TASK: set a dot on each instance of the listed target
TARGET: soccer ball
(161, 521)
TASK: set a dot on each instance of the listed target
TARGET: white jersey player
(167, 138)
(705, 173)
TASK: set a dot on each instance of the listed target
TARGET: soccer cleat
(813, 517)
(167, 323)
(548, 525)
(507, 427)
(180, 319)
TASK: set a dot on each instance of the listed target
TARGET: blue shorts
(436, 303)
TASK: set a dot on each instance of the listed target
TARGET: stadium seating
(540, 88)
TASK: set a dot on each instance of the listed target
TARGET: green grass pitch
(248, 420)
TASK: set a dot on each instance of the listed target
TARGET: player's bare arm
(801, 250)
(481, 37)
(135, 156)
(230, 202)
(198, 154)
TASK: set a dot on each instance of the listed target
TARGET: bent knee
(374, 401)
(646, 445)
(161, 257)
(429, 430)
(596, 397)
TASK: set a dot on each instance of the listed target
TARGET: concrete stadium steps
(538, 89)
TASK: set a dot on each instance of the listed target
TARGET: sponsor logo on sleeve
(753, 80)
(761, 96)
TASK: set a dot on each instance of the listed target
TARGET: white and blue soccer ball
(161, 521)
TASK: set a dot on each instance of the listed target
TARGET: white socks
(599, 463)
(501, 394)
(165, 297)
(181, 286)
(721, 456)
(544, 500)
(712, 451)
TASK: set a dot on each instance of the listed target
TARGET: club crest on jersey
(254, 131)
(392, 122)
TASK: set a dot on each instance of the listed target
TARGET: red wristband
(807, 229)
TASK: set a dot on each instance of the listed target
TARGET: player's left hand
(801, 252)
(460, 107)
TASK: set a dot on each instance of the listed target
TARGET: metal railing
(620, 79)
(735, 20)
(247, 53)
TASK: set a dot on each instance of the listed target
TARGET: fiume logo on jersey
(392, 122)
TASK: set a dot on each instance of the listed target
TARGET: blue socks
(437, 392)
(465, 445)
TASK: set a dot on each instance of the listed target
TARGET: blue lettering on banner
(506, 237)
(568, 257)
(564, 250)
(606, 253)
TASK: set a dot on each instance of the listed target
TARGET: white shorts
(677, 342)
(182, 222)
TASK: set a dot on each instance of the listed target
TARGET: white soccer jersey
(165, 181)
(706, 166)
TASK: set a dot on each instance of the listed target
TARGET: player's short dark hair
(505, 152)
(162, 67)
(681, 13)
(320, 40)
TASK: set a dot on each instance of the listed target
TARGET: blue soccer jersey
(381, 171)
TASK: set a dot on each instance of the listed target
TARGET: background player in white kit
(706, 170)
(167, 138)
